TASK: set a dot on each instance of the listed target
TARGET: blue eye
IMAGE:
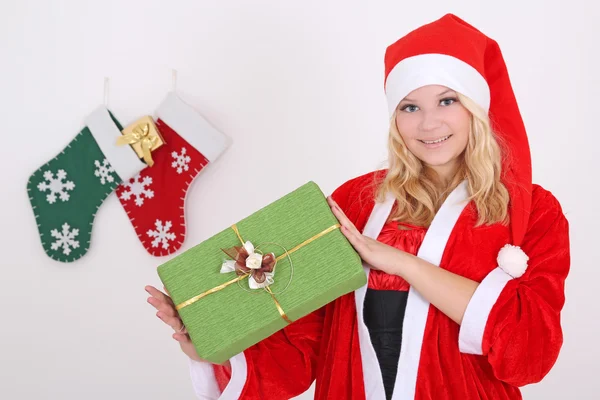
(448, 101)
(410, 108)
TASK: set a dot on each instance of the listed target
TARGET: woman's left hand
(378, 255)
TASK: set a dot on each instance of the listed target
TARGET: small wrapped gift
(268, 270)
(144, 138)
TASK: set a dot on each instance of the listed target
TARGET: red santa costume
(510, 335)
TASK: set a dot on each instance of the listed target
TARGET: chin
(437, 161)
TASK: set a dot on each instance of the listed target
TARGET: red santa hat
(452, 53)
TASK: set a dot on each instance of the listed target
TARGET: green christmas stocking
(66, 192)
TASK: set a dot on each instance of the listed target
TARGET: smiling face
(435, 127)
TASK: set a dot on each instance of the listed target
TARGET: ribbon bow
(140, 134)
(248, 261)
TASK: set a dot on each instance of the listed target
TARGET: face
(435, 127)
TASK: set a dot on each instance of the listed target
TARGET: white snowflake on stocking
(65, 239)
(104, 171)
(136, 187)
(161, 235)
(56, 186)
(181, 161)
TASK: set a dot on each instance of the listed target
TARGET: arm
(280, 366)
(448, 292)
(514, 322)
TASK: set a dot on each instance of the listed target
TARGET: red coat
(510, 335)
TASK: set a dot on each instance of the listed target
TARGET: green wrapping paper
(225, 323)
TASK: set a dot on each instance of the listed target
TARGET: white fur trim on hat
(512, 260)
(435, 69)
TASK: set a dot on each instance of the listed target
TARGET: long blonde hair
(417, 188)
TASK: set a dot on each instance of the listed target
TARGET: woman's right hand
(169, 315)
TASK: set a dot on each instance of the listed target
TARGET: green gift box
(315, 265)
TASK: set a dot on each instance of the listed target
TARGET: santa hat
(452, 53)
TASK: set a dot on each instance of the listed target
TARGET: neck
(444, 174)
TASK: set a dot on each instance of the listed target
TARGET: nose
(430, 120)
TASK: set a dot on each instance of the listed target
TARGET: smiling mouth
(440, 140)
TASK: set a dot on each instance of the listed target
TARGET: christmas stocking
(155, 199)
(66, 191)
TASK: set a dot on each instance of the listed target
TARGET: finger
(341, 216)
(358, 241)
(158, 294)
(182, 337)
(352, 237)
(162, 306)
(350, 230)
(173, 322)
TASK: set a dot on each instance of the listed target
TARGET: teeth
(436, 141)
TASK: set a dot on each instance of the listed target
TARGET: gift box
(143, 136)
(266, 271)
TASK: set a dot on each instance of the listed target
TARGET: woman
(466, 259)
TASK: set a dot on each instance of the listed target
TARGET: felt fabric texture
(154, 199)
(66, 192)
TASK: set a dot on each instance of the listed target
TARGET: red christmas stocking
(155, 199)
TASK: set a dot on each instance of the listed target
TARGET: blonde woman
(466, 258)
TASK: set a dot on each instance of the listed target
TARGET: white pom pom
(512, 260)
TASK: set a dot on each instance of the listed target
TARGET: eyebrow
(439, 95)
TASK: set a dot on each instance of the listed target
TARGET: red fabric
(155, 199)
(222, 375)
(448, 35)
(528, 310)
(406, 240)
(522, 338)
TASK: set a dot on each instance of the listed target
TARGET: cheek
(407, 126)
(460, 121)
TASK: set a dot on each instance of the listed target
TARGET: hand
(169, 315)
(378, 255)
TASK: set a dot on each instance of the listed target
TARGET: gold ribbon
(141, 134)
(267, 289)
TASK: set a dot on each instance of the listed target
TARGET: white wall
(300, 80)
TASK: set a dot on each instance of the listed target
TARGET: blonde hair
(417, 188)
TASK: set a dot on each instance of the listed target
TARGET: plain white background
(299, 81)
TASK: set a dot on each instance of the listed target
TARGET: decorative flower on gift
(247, 260)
